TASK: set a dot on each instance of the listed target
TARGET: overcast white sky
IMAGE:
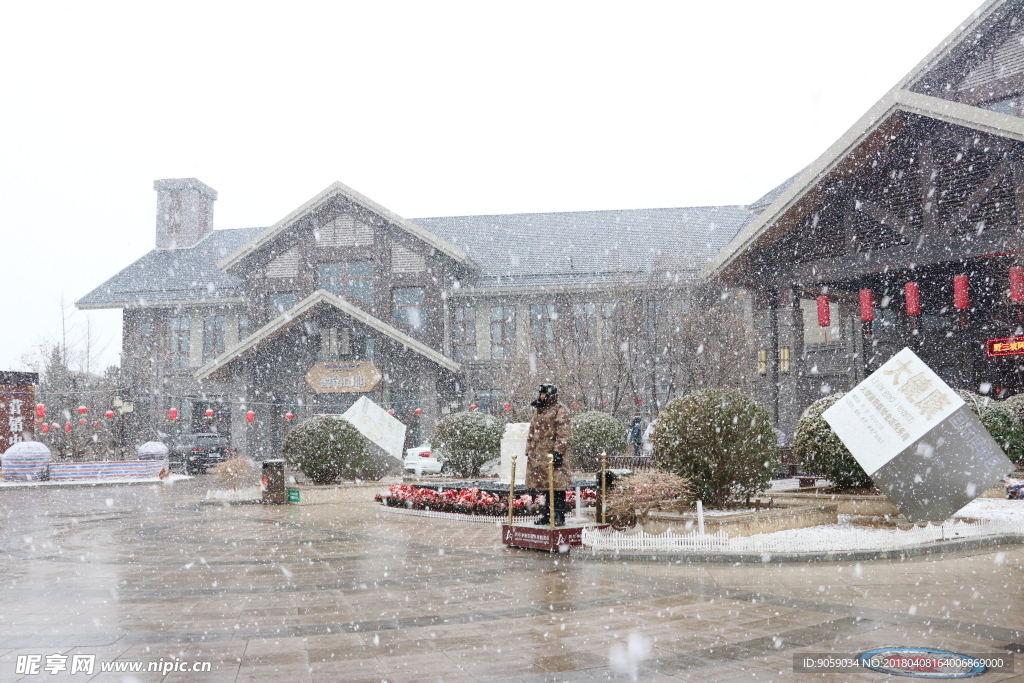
(431, 109)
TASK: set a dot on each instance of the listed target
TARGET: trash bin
(274, 490)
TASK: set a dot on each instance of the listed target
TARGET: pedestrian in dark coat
(636, 435)
(550, 430)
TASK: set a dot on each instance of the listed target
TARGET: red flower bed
(471, 501)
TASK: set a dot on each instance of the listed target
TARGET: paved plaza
(349, 592)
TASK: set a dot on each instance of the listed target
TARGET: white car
(421, 460)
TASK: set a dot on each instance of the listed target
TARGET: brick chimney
(184, 212)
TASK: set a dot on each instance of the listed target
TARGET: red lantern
(912, 295)
(289, 417)
(109, 414)
(209, 412)
(473, 407)
(172, 414)
(82, 410)
(82, 421)
(44, 428)
(507, 407)
(55, 426)
(67, 427)
(1017, 284)
(867, 306)
(824, 315)
(250, 417)
(961, 298)
(40, 411)
(96, 424)
(639, 401)
(418, 411)
(575, 405)
(391, 413)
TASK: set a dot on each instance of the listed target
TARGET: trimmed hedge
(595, 432)
(719, 439)
(328, 448)
(1001, 419)
(819, 451)
(467, 440)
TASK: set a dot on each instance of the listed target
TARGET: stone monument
(514, 441)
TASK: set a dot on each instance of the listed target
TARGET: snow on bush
(326, 449)
(719, 439)
(1002, 420)
(594, 432)
(466, 441)
(819, 451)
(634, 497)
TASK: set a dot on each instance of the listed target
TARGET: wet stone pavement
(349, 592)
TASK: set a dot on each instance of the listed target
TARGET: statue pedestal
(514, 442)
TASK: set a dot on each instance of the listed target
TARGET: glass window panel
(409, 309)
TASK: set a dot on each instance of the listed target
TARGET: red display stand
(557, 540)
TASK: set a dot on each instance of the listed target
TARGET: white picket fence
(609, 540)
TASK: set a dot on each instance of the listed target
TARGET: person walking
(550, 429)
(635, 437)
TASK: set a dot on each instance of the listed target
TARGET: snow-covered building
(342, 298)
(913, 218)
(916, 211)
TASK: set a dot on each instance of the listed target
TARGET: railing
(592, 463)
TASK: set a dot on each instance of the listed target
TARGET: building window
(607, 322)
(464, 334)
(351, 279)
(503, 332)
(488, 401)
(334, 342)
(146, 336)
(281, 302)
(584, 320)
(409, 310)
(181, 330)
(542, 322)
(243, 326)
(213, 337)
(1011, 106)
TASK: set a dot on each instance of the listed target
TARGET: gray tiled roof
(773, 194)
(513, 249)
(589, 246)
(175, 274)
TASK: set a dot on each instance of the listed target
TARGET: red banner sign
(1011, 346)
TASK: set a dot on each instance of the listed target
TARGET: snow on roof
(175, 274)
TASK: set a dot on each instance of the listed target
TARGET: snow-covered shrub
(819, 451)
(327, 449)
(594, 432)
(634, 497)
(467, 440)
(719, 439)
(1001, 419)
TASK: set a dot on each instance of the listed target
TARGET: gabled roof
(172, 275)
(549, 248)
(871, 128)
(334, 190)
(304, 308)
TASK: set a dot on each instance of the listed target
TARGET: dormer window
(350, 279)
(1011, 106)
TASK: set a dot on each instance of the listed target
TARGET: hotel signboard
(343, 377)
(917, 440)
(1010, 346)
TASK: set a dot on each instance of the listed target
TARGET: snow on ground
(999, 509)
